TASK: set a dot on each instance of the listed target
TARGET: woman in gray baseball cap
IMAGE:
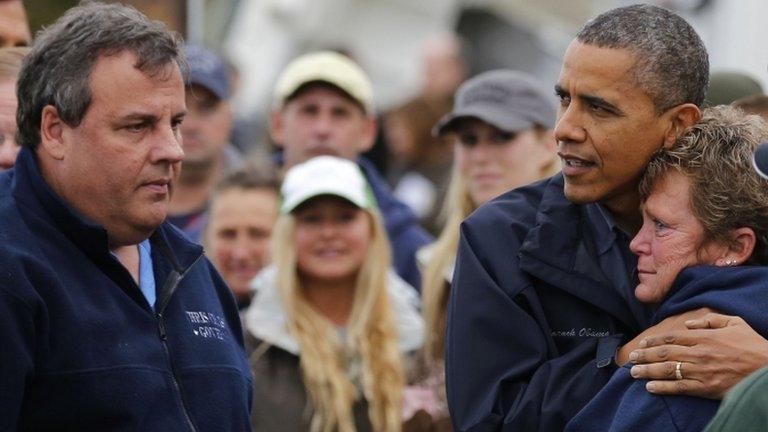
(501, 126)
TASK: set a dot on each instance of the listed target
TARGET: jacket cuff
(607, 347)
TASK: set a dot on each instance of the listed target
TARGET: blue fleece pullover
(624, 404)
(81, 348)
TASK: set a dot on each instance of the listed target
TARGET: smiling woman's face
(332, 239)
(671, 238)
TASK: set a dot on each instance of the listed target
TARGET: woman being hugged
(330, 324)
(703, 247)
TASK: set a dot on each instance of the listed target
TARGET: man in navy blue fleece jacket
(109, 318)
(324, 106)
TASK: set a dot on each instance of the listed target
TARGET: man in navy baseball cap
(206, 131)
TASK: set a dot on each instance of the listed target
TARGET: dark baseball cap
(207, 70)
(509, 100)
(760, 160)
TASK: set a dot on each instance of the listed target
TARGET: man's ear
(368, 138)
(52, 132)
(276, 130)
(742, 245)
(680, 118)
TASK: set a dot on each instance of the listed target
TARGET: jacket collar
(736, 290)
(266, 318)
(560, 249)
(31, 190)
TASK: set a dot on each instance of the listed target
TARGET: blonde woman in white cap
(501, 126)
(330, 325)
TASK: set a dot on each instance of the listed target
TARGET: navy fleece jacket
(625, 405)
(81, 348)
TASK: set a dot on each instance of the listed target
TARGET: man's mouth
(160, 186)
(573, 165)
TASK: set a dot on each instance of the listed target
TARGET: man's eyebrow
(144, 117)
(180, 114)
(600, 102)
(560, 91)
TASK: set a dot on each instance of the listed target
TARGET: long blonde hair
(371, 331)
(434, 287)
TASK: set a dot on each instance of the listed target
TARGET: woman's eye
(468, 139)
(309, 219)
(503, 137)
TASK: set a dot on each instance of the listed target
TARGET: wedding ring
(678, 370)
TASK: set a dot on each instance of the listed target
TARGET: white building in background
(385, 36)
(734, 32)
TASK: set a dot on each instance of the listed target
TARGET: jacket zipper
(168, 289)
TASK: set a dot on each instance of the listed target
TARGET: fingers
(668, 371)
(712, 321)
(677, 387)
(684, 338)
(660, 354)
(656, 371)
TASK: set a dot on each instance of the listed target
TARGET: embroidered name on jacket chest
(207, 325)
(580, 332)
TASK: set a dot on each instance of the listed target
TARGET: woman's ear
(740, 249)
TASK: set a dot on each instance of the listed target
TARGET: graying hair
(672, 63)
(57, 70)
(715, 155)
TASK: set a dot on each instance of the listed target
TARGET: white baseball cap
(325, 175)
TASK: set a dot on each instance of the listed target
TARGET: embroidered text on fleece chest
(207, 325)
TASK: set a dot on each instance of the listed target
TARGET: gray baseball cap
(509, 100)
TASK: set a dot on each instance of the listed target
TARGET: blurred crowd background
(405, 48)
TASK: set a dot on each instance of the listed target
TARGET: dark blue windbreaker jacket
(80, 347)
(533, 324)
(625, 405)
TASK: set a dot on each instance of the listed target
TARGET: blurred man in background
(206, 130)
(445, 67)
(324, 106)
(242, 214)
(418, 165)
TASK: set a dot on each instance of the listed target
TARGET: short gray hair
(672, 62)
(715, 155)
(57, 70)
